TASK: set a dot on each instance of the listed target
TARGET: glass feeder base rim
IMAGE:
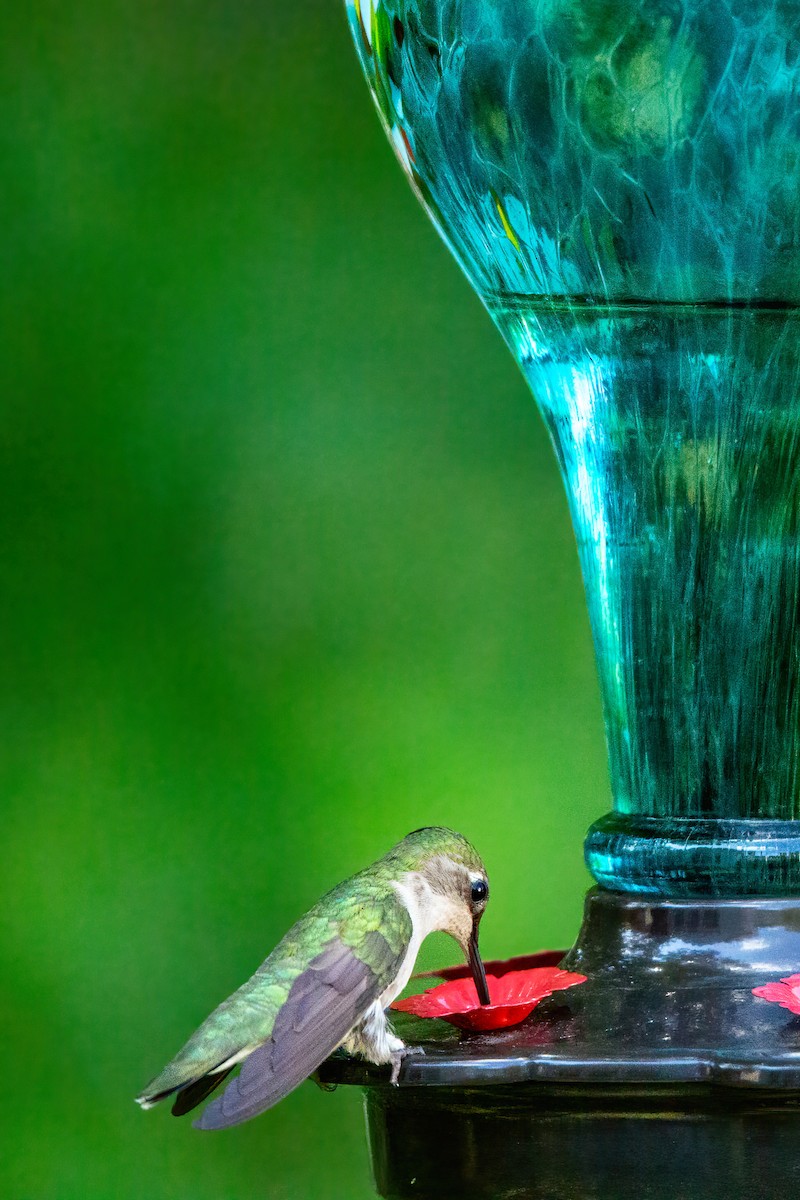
(695, 857)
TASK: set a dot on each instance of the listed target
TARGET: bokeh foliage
(286, 572)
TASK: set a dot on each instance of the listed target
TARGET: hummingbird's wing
(297, 1008)
(325, 1002)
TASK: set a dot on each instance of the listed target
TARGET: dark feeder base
(662, 1078)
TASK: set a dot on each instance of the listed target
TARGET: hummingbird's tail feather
(189, 1097)
(146, 1102)
(177, 1080)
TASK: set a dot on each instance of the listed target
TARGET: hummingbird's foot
(397, 1052)
(397, 1062)
(398, 1057)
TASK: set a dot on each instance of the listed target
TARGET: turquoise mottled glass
(621, 183)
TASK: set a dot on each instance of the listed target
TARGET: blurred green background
(286, 572)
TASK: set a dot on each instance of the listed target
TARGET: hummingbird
(328, 982)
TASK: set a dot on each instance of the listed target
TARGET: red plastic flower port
(786, 993)
(514, 996)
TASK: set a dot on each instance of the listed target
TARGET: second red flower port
(786, 993)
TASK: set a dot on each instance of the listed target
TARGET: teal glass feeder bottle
(620, 181)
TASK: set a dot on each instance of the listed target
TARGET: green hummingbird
(328, 982)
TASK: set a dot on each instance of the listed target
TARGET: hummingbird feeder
(620, 182)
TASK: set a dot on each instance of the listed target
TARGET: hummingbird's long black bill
(476, 966)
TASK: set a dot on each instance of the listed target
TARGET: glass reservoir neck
(680, 449)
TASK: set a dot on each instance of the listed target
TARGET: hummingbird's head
(448, 889)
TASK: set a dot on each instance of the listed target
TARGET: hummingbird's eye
(480, 890)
